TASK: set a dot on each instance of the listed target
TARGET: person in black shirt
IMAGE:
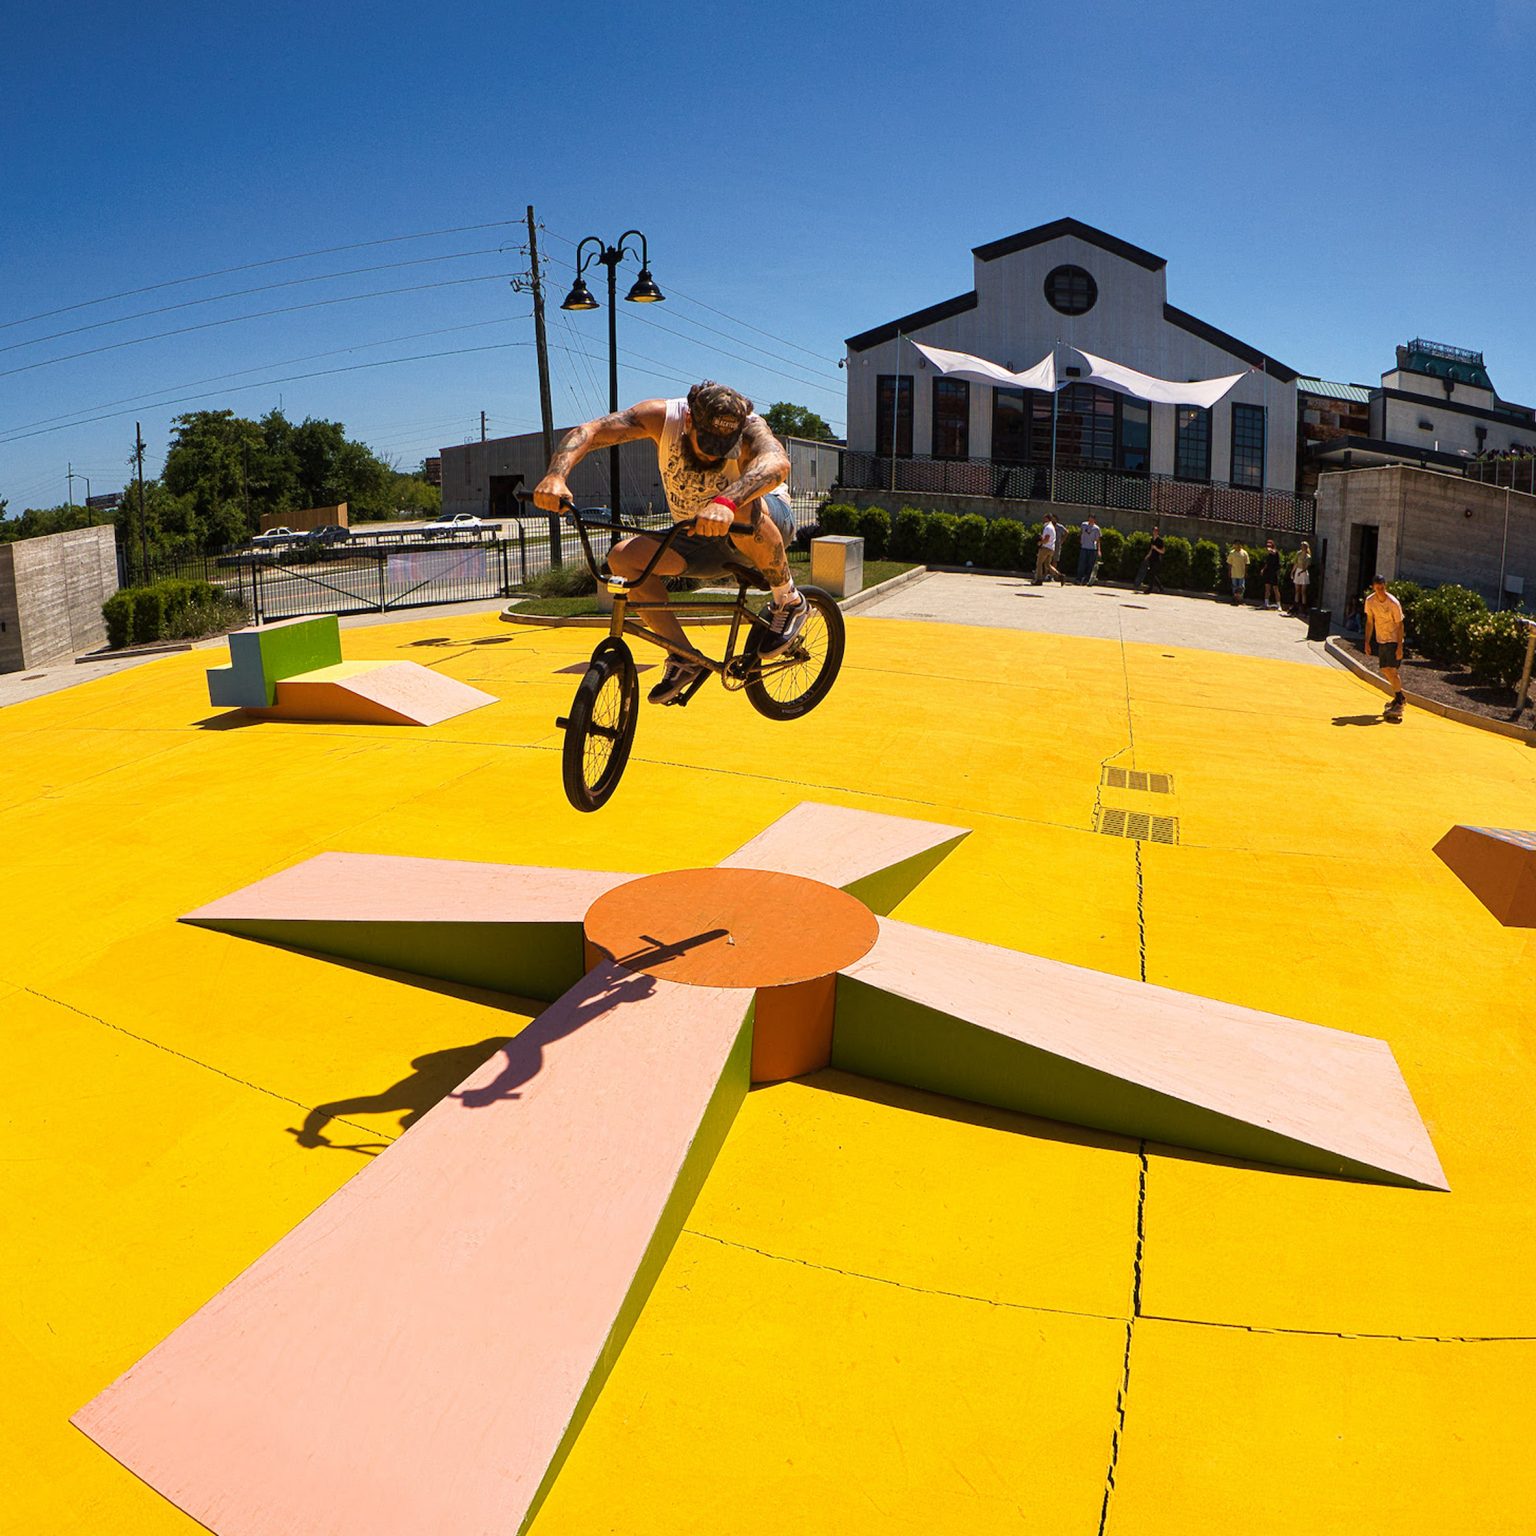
(1151, 565)
(1271, 575)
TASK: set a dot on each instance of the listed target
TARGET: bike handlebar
(568, 508)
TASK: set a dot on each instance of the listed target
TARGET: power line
(262, 314)
(241, 293)
(251, 266)
(320, 373)
(737, 357)
(286, 362)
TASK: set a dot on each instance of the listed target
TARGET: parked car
(328, 533)
(276, 536)
(458, 522)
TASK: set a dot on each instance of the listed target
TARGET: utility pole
(138, 453)
(69, 479)
(541, 343)
(482, 426)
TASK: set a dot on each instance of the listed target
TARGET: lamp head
(645, 290)
(580, 296)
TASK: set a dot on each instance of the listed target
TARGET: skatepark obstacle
(1498, 865)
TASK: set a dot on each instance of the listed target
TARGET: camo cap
(719, 417)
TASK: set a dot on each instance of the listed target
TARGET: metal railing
(1518, 474)
(1160, 495)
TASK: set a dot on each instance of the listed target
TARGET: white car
(459, 522)
(277, 536)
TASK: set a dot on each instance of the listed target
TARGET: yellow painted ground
(890, 1312)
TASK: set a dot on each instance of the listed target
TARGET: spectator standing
(1271, 574)
(1088, 551)
(1146, 560)
(1237, 565)
(1152, 565)
(1045, 555)
(1384, 634)
(1301, 577)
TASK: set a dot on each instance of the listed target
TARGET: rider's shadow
(440, 1074)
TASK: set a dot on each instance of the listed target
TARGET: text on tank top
(689, 489)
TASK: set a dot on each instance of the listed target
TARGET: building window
(1085, 427)
(1010, 427)
(1133, 450)
(1248, 446)
(1191, 443)
(1071, 290)
(893, 406)
(951, 419)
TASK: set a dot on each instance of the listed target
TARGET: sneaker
(678, 675)
(784, 626)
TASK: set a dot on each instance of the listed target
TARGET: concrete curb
(1445, 711)
(131, 652)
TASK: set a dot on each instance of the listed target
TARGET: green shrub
(1175, 571)
(1410, 594)
(1111, 552)
(1131, 556)
(1205, 568)
(939, 538)
(571, 579)
(1443, 621)
(839, 517)
(971, 539)
(875, 529)
(909, 535)
(1496, 649)
(1005, 543)
(1029, 546)
(118, 612)
(1069, 545)
(148, 615)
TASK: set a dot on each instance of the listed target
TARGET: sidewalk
(1101, 613)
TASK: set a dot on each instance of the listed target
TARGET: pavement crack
(1122, 1392)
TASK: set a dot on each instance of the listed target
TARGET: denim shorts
(705, 556)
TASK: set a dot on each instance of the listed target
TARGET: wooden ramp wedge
(506, 927)
(420, 1353)
(1498, 865)
(374, 693)
(998, 1027)
(877, 858)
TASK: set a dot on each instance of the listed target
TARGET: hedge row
(1006, 544)
(1452, 625)
(169, 609)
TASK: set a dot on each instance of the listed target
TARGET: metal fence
(1162, 495)
(1517, 473)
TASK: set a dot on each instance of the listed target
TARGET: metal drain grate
(1134, 778)
(1138, 825)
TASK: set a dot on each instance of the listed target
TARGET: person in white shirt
(1384, 636)
(1089, 539)
(1045, 555)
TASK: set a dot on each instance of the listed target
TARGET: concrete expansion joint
(171, 1050)
(1122, 1392)
(1330, 1333)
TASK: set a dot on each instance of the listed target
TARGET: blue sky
(1325, 181)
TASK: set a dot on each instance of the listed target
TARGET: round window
(1071, 290)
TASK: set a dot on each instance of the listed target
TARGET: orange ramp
(1498, 865)
(421, 1352)
(995, 1026)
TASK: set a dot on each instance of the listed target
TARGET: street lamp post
(644, 291)
(71, 477)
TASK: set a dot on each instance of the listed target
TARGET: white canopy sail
(962, 365)
(1127, 381)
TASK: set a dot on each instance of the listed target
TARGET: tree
(787, 420)
(35, 522)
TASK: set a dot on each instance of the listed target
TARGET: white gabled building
(1067, 284)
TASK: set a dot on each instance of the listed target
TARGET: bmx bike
(600, 727)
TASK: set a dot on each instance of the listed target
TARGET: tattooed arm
(643, 420)
(764, 464)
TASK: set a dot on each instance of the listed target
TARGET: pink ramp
(999, 1027)
(418, 1355)
(511, 928)
(374, 693)
(873, 857)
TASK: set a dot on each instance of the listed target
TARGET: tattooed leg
(764, 547)
(628, 559)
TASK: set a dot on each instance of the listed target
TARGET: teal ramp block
(261, 657)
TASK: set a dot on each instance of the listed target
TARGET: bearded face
(693, 459)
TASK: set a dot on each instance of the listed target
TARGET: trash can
(1319, 622)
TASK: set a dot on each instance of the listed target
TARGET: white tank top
(689, 490)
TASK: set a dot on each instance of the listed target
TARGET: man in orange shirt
(1384, 626)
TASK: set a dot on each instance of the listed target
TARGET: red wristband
(725, 501)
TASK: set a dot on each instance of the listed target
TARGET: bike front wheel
(794, 683)
(600, 729)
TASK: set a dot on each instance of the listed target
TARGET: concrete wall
(1013, 324)
(1128, 522)
(51, 592)
(1430, 528)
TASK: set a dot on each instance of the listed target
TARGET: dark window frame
(1079, 283)
(1201, 415)
(957, 393)
(1249, 448)
(1019, 398)
(895, 395)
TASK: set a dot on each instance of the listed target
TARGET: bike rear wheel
(794, 683)
(600, 729)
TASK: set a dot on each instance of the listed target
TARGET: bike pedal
(563, 722)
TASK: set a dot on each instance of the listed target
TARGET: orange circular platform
(731, 927)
